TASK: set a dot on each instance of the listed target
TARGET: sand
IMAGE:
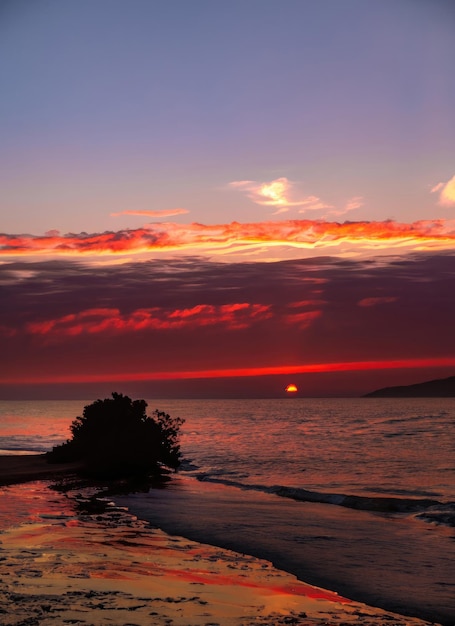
(59, 565)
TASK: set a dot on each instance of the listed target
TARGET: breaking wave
(426, 509)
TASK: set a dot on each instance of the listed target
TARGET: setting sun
(291, 388)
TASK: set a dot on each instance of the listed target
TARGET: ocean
(354, 495)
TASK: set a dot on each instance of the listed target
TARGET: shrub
(115, 437)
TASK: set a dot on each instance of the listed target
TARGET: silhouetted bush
(115, 437)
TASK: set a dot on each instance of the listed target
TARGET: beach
(62, 564)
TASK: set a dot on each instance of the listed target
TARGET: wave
(21, 449)
(441, 515)
(24, 443)
(426, 509)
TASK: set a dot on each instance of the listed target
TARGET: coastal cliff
(440, 388)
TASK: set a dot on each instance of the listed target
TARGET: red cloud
(303, 320)
(232, 316)
(296, 233)
(375, 301)
(305, 303)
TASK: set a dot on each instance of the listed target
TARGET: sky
(203, 198)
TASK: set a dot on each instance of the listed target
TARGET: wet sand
(58, 565)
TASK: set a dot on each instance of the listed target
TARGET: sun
(291, 388)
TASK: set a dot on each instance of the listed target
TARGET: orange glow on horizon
(347, 366)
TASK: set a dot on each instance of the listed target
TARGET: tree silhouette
(115, 437)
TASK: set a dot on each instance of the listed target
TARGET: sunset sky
(207, 198)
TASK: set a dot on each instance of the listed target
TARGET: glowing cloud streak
(301, 234)
(310, 368)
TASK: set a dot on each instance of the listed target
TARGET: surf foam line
(382, 504)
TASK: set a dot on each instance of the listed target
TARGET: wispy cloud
(446, 192)
(161, 213)
(279, 193)
(303, 320)
(376, 300)
(313, 203)
(336, 212)
(354, 203)
(351, 205)
(284, 194)
(226, 238)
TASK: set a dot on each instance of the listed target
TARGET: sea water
(365, 447)
(356, 495)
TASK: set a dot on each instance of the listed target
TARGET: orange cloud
(222, 238)
(161, 213)
(232, 316)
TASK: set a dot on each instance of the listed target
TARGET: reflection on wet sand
(59, 566)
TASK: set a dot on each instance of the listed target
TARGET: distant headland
(440, 388)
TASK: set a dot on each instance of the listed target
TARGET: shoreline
(332, 547)
(109, 565)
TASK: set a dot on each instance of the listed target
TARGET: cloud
(161, 213)
(303, 320)
(313, 203)
(110, 320)
(375, 301)
(351, 205)
(281, 194)
(307, 303)
(66, 319)
(227, 239)
(278, 193)
(354, 203)
(446, 192)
